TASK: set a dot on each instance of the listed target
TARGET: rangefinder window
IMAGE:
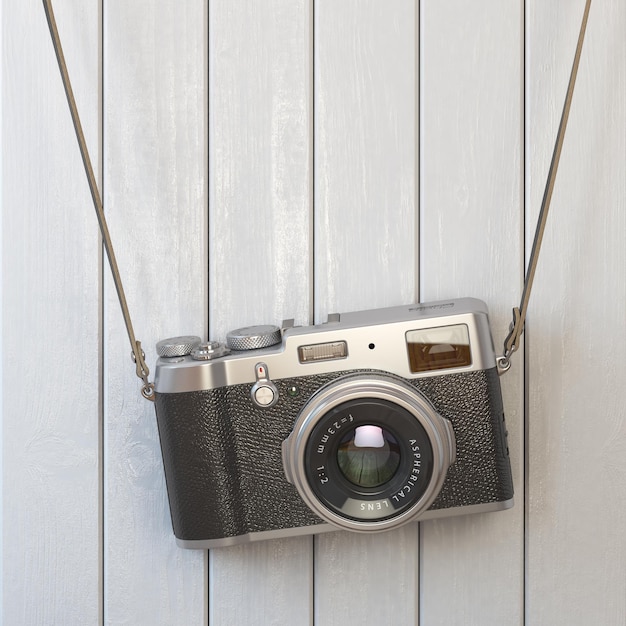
(439, 348)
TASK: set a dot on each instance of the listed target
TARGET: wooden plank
(155, 196)
(260, 188)
(365, 155)
(471, 209)
(577, 336)
(50, 345)
(365, 254)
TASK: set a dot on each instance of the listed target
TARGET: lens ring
(369, 508)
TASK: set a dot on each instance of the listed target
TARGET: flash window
(323, 352)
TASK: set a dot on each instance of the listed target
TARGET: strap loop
(142, 371)
(511, 343)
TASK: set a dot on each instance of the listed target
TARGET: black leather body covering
(223, 459)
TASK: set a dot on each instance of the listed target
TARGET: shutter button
(264, 393)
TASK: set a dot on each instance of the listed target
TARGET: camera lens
(376, 459)
(368, 452)
(368, 456)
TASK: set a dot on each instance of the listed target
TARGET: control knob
(253, 337)
(177, 346)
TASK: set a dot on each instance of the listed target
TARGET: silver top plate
(375, 339)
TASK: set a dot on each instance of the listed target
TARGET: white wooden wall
(265, 159)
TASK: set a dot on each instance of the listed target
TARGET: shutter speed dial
(253, 337)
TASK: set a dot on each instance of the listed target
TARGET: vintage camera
(367, 422)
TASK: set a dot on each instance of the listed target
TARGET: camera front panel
(224, 467)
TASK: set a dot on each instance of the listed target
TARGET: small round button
(264, 396)
(209, 351)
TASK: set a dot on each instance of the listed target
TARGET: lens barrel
(368, 452)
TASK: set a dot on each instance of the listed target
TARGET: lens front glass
(368, 456)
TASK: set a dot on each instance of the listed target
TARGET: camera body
(365, 423)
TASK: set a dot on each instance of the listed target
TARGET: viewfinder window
(438, 348)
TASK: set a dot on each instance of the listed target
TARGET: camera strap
(512, 341)
(137, 353)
